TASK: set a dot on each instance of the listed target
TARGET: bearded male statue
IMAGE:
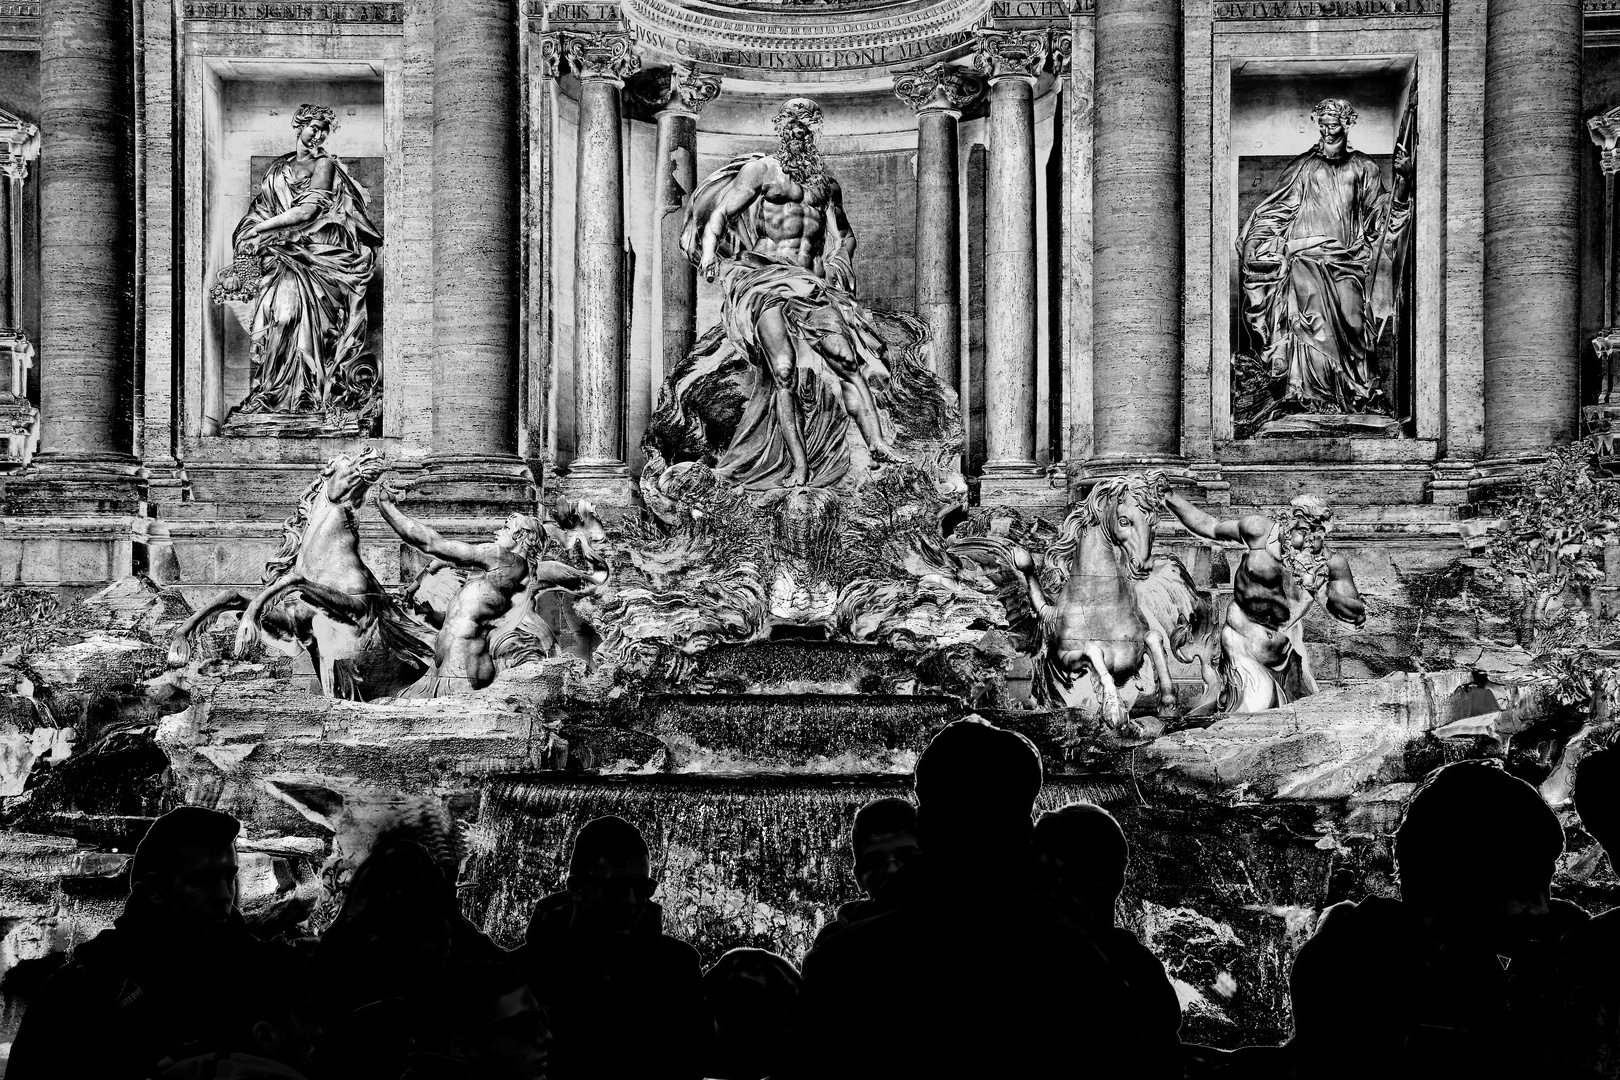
(1322, 259)
(772, 229)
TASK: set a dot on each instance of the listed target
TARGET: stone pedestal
(939, 94)
(1011, 60)
(474, 470)
(84, 463)
(1532, 203)
(602, 62)
(1137, 236)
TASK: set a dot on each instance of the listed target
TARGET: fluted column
(1137, 237)
(679, 94)
(602, 62)
(1011, 60)
(474, 229)
(939, 94)
(1532, 202)
(86, 257)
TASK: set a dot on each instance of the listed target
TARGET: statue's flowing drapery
(309, 324)
(813, 307)
(1321, 263)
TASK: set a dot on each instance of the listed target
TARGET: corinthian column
(474, 464)
(1532, 202)
(939, 94)
(1012, 60)
(1137, 234)
(86, 253)
(602, 62)
(678, 94)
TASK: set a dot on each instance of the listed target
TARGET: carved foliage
(1000, 54)
(602, 55)
(938, 87)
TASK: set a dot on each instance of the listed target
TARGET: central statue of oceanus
(772, 229)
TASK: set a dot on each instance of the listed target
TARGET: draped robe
(813, 306)
(1321, 258)
(309, 324)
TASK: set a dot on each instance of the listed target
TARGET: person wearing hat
(166, 979)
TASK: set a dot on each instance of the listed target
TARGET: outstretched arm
(846, 232)
(424, 539)
(744, 189)
(1343, 600)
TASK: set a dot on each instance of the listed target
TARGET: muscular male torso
(792, 217)
(485, 599)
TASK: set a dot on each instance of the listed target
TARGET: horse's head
(347, 478)
(1124, 508)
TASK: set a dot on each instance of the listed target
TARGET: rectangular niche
(247, 113)
(1332, 260)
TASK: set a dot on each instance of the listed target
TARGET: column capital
(551, 51)
(1605, 131)
(678, 89)
(19, 144)
(1062, 49)
(1010, 54)
(607, 55)
(939, 87)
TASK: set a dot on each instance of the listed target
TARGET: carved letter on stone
(603, 55)
(938, 87)
(1002, 54)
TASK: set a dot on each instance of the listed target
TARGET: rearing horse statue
(1120, 613)
(320, 596)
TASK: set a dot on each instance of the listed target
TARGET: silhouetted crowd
(985, 946)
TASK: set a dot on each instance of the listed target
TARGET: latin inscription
(328, 12)
(19, 11)
(875, 56)
(1325, 9)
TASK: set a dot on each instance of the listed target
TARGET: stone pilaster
(939, 94)
(474, 469)
(19, 420)
(1532, 202)
(1011, 60)
(86, 265)
(677, 95)
(1137, 235)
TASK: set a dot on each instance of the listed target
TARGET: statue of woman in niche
(315, 253)
(1322, 261)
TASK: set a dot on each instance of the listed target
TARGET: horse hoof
(179, 652)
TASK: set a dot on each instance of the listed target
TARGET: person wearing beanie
(166, 979)
(1455, 978)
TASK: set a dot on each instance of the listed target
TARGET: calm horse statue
(1120, 613)
(320, 596)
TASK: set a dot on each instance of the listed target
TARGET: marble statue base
(1331, 425)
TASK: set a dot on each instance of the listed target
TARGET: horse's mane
(293, 540)
(1099, 502)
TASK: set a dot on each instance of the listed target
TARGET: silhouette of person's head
(976, 788)
(753, 998)
(1080, 859)
(884, 843)
(1476, 847)
(494, 1023)
(1597, 798)
(396, 903)
(184, 870)
(609, 876)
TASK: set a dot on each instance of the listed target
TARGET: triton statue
(1286, 570)
(488, 620)
(772, 228)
